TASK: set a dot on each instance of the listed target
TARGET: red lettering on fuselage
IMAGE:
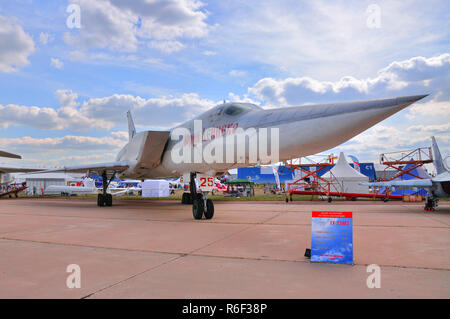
(212, 133)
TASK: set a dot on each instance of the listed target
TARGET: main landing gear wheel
(105, 199)
(198, 208)
(430, 204)
(186, 198)
(209, 209)
(108, 200)
(100, 200)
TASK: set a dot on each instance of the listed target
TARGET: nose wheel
(209, 213)
(201, 205)
(198, 209)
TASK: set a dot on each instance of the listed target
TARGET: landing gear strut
(105, 199)
(201, 205)
(431, 203)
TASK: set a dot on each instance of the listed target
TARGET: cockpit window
(238, 108)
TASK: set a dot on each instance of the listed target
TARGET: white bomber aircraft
(303, 130)
(438, 186)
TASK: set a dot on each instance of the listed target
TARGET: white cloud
(66, 150)
(121, 135)
(45, 38)
(56, 63)
(46, 118)
(430, 129)
(15, 45)
(409, 129)
(68, 142)
(105, 113)
(386, 139)
(236, 98)
(237, 73)
(324, 39)
(431, 109)
(163, 19)
(166, 46)
(128, 60)
(104, 25)
(67, 98)
(123, 25)
(413, 76)
(209, 53)
(156, 112)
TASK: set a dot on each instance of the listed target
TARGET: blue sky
(64, 91)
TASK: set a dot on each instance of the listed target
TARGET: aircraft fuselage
(302, 131)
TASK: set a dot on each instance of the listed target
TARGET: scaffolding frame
(417, 157)
(323, 187)
(318, 184)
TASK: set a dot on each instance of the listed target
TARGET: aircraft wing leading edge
(99, 167)
(7, 168)
(11, 155)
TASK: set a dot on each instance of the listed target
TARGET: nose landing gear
(201, 205)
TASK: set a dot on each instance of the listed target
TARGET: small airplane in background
(438, 186)
(88, 188)
(303, 130)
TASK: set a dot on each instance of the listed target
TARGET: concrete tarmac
(154, 249)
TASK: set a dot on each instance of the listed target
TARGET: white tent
(155, 188)
(346, 178)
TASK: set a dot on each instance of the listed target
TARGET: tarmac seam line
(181, 255)
(264, 222)
(437, 220)
(132, 276)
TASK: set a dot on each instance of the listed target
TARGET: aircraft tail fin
(438, 162)
(131, 128)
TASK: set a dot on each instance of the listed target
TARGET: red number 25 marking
(206, 182)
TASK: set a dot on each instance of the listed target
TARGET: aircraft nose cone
(411, 98)
(325, 126)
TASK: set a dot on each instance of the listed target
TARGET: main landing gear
(201, 205)
(431, 203)
(105, 199)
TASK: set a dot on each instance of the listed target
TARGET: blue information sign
(332, 237)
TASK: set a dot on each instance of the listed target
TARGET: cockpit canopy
(233, 109)
(227, 110)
